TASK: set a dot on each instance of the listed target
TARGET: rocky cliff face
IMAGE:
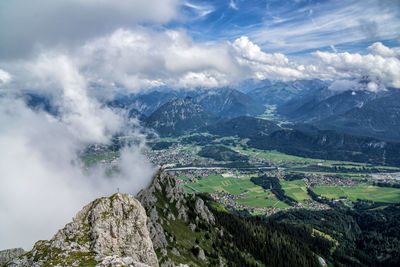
(177, 222)
(108, 232)
(9, 254)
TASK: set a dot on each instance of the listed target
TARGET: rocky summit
(110, 231)
(180, 224)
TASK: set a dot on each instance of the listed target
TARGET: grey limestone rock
(201, 254)
(167, 204)
(9, 254)
(203, 211)
(110, 231)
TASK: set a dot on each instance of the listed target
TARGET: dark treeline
(367, 235)
(273, 184)
(221, 153)
(382, 184)
(198, 139)
(272, 244)
(293, 176)
(329, 145)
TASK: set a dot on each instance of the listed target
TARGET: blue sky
(201, 43)
(294, 27)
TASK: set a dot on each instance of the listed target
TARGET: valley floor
(229, 174)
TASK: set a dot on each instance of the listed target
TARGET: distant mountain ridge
(179, 116)
(330, 145)
(144, 103)
(379, 117)
(316, 108)
(243, 126)
(282, 92)
(229, 103)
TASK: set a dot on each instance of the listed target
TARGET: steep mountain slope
(359, 231)
(249, 84)
(134, 113)
(243, 126)
(317, 109)
(180, 225)
(229, 102)
(178, 117)
(275, 94)
(311, 97)
(144, 103)
(379, 118)
(110, 231)
(330, 145)
(281, 92)
(131, 112)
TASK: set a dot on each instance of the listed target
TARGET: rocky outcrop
(9, 254)
(108, 232)
(203, 211)
(168, 205)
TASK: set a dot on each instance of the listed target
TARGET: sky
(136, 45)
(79, 52)
(296, 27)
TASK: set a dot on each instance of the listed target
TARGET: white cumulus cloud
(381, 66)
(5, 77)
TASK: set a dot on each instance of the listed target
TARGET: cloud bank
(43, 181)
(381, 66)
(142, 58)
(26, 26)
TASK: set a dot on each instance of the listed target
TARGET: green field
(260, 198)
(363, 191)
(215, 182)
(274, 155)
(256, 196)
(295, 189)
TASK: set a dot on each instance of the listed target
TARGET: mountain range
(280, 92)
(378, 117)
(306, 106)
(179, 116)
(229, 103)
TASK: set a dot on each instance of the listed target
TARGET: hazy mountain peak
(179, 116)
